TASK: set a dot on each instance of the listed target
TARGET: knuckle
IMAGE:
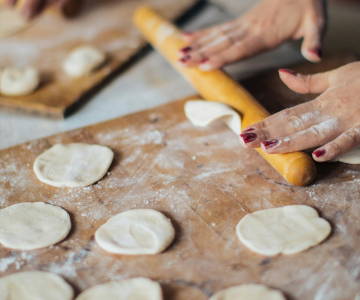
(334, 149)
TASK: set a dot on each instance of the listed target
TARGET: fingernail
(204, 60)
(288, 71)
(205, 67)
(269, 143)
(185, 49)
(249, 129)
(185, 58)
(248, 137)
(316, 52)
(319, 152)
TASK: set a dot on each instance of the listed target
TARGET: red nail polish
(248, 137)
(204, 60)
(186, 49)
(185, 58)
(288, 71)
(270, 143)
(249, 129)
(317, 52)
(319, 152)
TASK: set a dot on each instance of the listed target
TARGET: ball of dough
(202, 113)
(73, 165)
(248, 292)
(288, 230)
(135, 288)
(33, 225)
(35, 285)
(18, 81)
(136, 231)
(83, 60)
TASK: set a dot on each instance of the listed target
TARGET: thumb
(312, 40)
(305, 84)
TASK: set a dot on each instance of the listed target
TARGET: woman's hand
(331, 121)
(31, 8)
(266, 26)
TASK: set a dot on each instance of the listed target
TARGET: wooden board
(105, 24)
(205, 182)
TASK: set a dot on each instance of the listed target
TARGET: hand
(331, 121)
(31, 8)
(264, 27)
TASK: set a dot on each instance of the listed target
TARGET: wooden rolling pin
(297, 168)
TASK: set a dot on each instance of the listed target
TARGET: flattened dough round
(73, 165)
(287, 230)
(33, 225)
(248, 292)
(35, 285)
(202, 113)
(135, 232)
(135, 288)
(83, 60)
(18, 81)
(351, 157)
(10, 21)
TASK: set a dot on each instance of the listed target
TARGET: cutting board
(47, 41)
(205, 181)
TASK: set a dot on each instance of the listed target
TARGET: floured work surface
(205, 182)
(105, 24)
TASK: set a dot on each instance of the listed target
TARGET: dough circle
(135, 288)
(73, 165)
(83, 60)
(33, 225)
(136, 232)
(351, 157)
(288, 230)
(10, 21)
(35, 285)
(248, 292)
(202, 113)
(18, 81)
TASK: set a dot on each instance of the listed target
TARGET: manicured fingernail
(204, 60)
(249, 129)
(185, 49)
(316, 52)
(205, 67)
(319, 152)
(248, 137)
(185, 58)
(269, 143)
(287, 71)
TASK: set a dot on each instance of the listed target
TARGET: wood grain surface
(46, 42)
(205, 181)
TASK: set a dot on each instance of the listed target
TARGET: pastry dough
(136, 231)
(33, 225)
(248, 292)
(73, 165)
(351, 157)
(83, 60)
(35, 285)
(288, 230)
(202, 113)
(131, 289)
(18, 81)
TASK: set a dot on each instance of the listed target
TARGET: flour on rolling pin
(164, 31)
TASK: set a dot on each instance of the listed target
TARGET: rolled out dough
(202, 113)
(130, 289)
(248, 292)
(10, 21)
(35, 285)
(288, 230)
(351, 157)
(73, 165)
(135, 232)
(33, 225)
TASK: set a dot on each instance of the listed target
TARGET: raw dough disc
(33, 225)
(135, 288)
(83, 60)
(10, 21)
(288, 230)
(202, 113)
(73, 165)
(35, 285)
(136, 231)
(18, 81)
(351, 157)
(248, 292)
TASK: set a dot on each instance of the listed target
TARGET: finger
(311, 45)
(314, 136)
(340, 145)
(32, 8)
(10, 2)
(283, 123)
(305, 84)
